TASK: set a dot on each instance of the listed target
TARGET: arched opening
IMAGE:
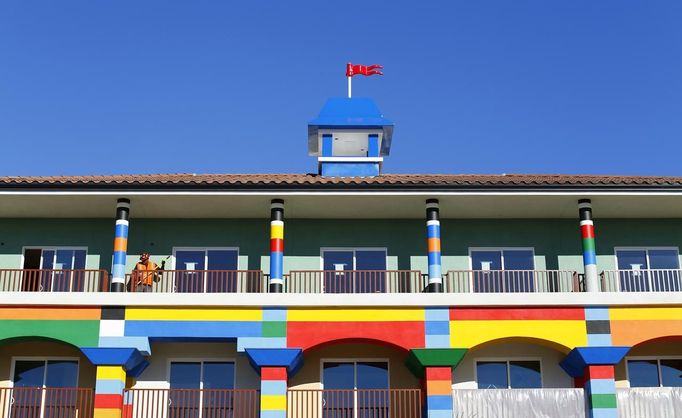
(513, 363)
(355, 376)
(656, 362)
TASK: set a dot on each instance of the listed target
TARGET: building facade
(343, 294)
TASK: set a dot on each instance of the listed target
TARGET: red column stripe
(587, 231)
(439, 373)
(277, 245)
(108, 401)
(599, 372)
(273, 373)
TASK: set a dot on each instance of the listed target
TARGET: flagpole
(349, 87)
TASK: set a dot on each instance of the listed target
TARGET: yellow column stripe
(277, 230)
(107, 413)
(111, 373)
(273, 402)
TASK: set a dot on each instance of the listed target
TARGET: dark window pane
(372, 281)
(335, 281)
(525, 374)
(338, 376)
(671, 372)
(632, 279)
(489, 263)
(486, 260)
(185, 375)
(29, 374)
(221, 281)
(643, 373)
(518, 260)
(370, 260)
(189, 281)
(62, 374)
(372, 375)
(218, 375)
(222, 259)
(667, 280)
(491, 374)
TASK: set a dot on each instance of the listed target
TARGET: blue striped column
(276, 245)
(589, 248)
(118, 270)
(433, 246)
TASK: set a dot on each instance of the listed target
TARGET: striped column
(589, 250)
(273, 389)
(433, 246)
(276, 245)
(118, 270)
(438, 392)
(600, 392)
(109, 391)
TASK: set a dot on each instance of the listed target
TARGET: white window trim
(646, 251)
(354, 250)
(44, 360)
(501, 250)
(507, 360)
(205, 250)
(658, 366)
(355, 361)
(201, 360)
(50, 247)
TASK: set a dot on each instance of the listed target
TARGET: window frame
(658, 368)
(501, 250)
(507, 360)
(646, 251)
(51, 247)
(354, 250)
(205, 250)
(355, 361)
(45, 359)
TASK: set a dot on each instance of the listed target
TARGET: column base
(276, 288)
(434, 288)
(118, 287)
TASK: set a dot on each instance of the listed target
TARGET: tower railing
(511, 281)
(351, 403)
(191, 403)
(354, 281)
(196, 281)
(47, 402)
(53, 280)
(650, 280)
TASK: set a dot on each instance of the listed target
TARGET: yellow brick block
(273, 402)
(111, 373)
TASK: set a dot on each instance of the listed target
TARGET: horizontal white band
(276, 205)
(588, 222)
(123, 205)
(115, 279)
(432, 222)
(584, 205)
(350, 159)
(122, 222)
(277, 223)
(276, 281)
(432, 205)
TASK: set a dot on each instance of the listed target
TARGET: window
(354, 270)
(208, 270)
(654, 372)
(648, 269)
(60, 263)
(503, 269)
(210, 379)
(33, 380)
(508, 374)
(355, 389)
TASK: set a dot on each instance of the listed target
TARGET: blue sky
(108, 87)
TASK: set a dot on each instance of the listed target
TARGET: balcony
(511, 281)
(658, 280)
(354, 281)
(519, 403)
(191, 403)
(46, 403)
(197, 281)
(30, 280)
(358, 403)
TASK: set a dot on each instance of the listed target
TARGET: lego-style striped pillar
(276, 245)
(433, 246)
(589, 249)
(600, 392)
(438, 392)
(273, 389)
(118, 270)
(109, 391)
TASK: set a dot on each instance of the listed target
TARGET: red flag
(352, 70)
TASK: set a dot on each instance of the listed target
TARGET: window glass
(671, 372)
(338, 375)
(518, 260)
(525, 374)
(664, 259)
(62, 374)
(29, 374)
(185, 375)
(190, 260)
(222, 259)
(372, 375)
(48, 259)
(218, 375)
(486, 260)
(370, 260)
(643, 373)
(491, 374)
(338, 260)
(631, 259)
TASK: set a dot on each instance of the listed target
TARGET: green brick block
(604, 401)
(274, 329)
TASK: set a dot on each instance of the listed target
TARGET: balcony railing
(511, 281)
(354, 281)
(33, 280)
(665, 402)
(196, 281)
(359, 403)
(518, 403)
(46, 403)
(658, 280)
(191, 403)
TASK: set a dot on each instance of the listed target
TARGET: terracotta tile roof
(313, 180)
